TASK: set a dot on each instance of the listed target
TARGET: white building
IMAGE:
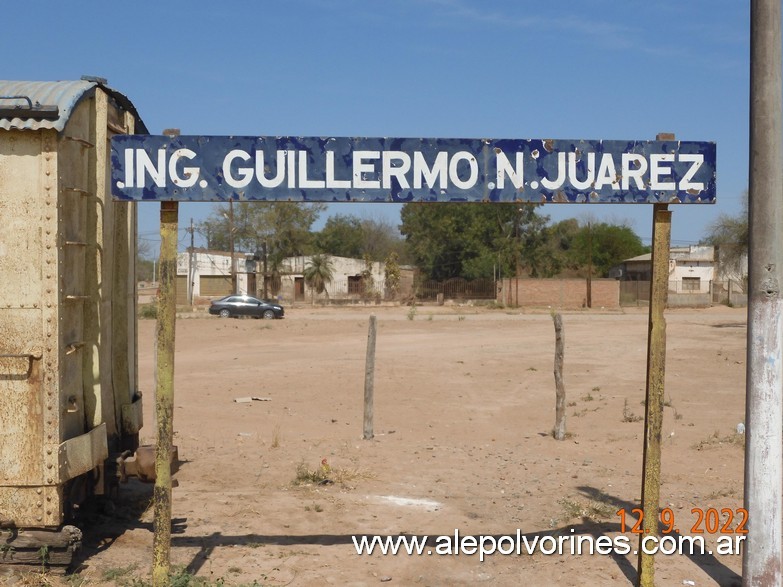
(207, 274)
(204, 275)
(691, 269)
(347, 281)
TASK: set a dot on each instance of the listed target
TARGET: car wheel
(268, 315)
(225, 313)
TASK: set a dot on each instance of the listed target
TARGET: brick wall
(558, 293)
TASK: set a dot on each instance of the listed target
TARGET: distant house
(204, 275)
(207, 274)
(348, 283)
(691, 269)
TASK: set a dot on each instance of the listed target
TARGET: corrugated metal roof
(63, 94)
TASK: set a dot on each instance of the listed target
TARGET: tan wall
(558, 293)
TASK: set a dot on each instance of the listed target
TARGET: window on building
(691, 284)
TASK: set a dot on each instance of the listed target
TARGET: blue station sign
(329, 169)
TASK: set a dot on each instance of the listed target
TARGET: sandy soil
(464, 406)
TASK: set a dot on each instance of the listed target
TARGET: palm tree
(318, 274)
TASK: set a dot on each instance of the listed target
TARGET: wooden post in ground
(656, 363)
(559, 431)
(369, 381)
(164, 391)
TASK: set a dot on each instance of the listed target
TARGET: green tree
(729, 235)
(341, 236)
(285, 227)
(318, 273)
(354, 237)
(391, 274)
(368, 281)
(475, 240)
(145, 264)
(606, 245)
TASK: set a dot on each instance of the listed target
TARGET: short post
(559, 431)
(369, 380)
(653, 408)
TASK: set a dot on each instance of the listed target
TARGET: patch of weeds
(596, 389)
(532, 369)
(412, 313)
(148, 311)
(325, 474)
(579, 413)
(570, 404)
(276, 437)
(35, 579)
(722, 493)
(461, 318)
(667, 403)
(716, 440)
(6, 551)
(43, 554)
(76, 580)
(628, 415)
(316, 507)
(116, 573)
(566, 436)
(588, 397)
(595, 511)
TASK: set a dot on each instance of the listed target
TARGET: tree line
(467, 240)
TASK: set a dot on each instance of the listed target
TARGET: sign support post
(164, 393)
(656, 363)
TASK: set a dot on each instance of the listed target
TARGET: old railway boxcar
(69, 403)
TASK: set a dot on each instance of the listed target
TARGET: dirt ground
(464, 407)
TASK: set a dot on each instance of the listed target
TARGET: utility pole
(762, 551)
(191, 271)
(231, 246)
(265, 273)
(590, 266)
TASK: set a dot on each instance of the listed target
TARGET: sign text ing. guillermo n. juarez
(310, 169)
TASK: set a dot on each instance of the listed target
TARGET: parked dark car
(232, 306)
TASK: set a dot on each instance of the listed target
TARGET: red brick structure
(558, 293)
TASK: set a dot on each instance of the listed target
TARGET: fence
(456, 289)
(731, 292)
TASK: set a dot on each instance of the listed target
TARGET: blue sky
(605, 69)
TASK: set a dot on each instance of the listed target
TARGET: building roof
(693, 253)
(26, 105)
(647, 257)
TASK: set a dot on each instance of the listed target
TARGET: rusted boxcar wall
(67, 311)
(30, 431)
